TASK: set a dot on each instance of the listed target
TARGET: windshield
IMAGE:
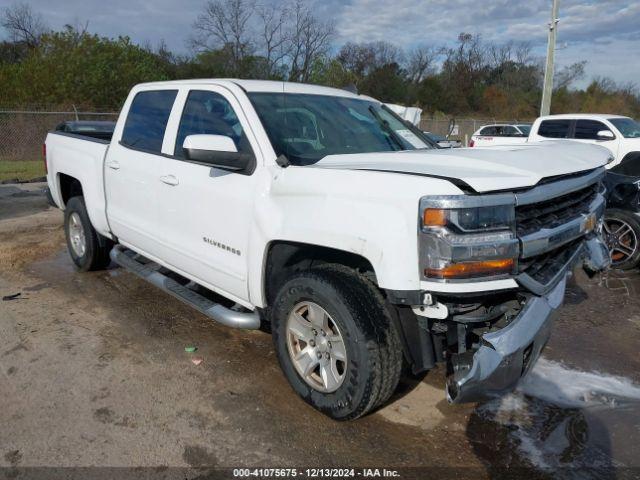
(306, 128)
(526, 129)
(628, 127)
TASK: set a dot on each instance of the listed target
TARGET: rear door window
(554, 128)
(147, 120)
(588, 129)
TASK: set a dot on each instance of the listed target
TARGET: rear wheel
(336, 342)
(88, 249)
(622, 236)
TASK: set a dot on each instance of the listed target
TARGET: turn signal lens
(472, 269)
(434, 217)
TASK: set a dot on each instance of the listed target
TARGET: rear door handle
(169, 180)
(113, 165)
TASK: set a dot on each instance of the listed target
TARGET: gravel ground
(93, 373)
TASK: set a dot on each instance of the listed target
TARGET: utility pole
(547, 88)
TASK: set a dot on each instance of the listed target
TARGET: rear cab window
(147, 120)
(554, 128)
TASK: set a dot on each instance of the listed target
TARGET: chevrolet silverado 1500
(322, 214)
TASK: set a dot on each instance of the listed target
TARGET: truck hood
(488, 169)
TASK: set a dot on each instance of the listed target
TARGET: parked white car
(620, 135)
(323, 214)
(500, 134)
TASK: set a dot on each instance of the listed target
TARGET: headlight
(466, 237)
(470, 219)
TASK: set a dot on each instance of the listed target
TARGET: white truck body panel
(468, 249)
(333, 203)
(82, 159)
(485, 170)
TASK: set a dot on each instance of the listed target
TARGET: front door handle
(169, 180)
(113, 165)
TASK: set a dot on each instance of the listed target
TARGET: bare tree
(356, 58)
(23, 24)
(523, 53)
(498, 55)
(385, 53)
(569, 74)
(273, 36)
(364, 58)
(226, 24)
(422, 62)
(309, 39)
(470, 54)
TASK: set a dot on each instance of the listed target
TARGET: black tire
(371, 341)
(96, 255)
(614, 218)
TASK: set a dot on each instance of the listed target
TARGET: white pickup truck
(322, 214)
(620, 135)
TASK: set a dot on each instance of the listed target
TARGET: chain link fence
(22, 131)
(463, 128)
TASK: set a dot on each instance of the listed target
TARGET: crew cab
(500, 134)
(620, 135)
(322, 214)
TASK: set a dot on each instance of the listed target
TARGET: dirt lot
(93, 373)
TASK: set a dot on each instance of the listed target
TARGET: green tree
(72, 67)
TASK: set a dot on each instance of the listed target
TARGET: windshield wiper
(387, 128)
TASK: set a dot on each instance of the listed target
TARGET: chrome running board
(150, 272)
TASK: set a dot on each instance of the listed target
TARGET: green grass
(21, 169)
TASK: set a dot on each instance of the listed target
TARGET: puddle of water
(553, 382)
(575, 424)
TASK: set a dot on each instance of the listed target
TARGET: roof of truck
(270, 86)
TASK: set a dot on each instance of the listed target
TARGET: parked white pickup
(322, 213)
(620, 135)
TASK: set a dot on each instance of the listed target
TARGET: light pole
(547, 88)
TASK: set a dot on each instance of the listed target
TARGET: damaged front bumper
(506, 355)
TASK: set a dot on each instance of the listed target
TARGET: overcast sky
(606, 33)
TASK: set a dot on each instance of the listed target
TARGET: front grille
(555, 212)
(544, 267)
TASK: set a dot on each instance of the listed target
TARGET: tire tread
(371, 316)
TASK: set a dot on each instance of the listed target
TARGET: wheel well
(69, 187)
(284, 258)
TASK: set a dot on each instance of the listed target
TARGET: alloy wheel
(316, 347)
(621, 240)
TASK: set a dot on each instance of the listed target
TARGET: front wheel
(88, 249)
(622, 236)
(335, 341)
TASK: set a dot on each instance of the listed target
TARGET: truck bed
(80, 157)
